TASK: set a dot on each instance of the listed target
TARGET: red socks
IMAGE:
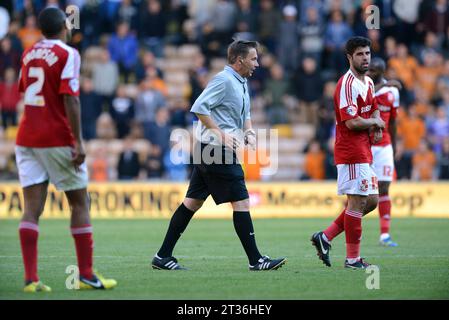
(384, 213)
(351, 223)
(28, 233)
(84, 249)
(336, 227)
(353, 231)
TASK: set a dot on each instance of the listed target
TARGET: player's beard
(360, 69)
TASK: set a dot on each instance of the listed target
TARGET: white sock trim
(384, 236)
(81, 230)
(28, 225)
(352, 260)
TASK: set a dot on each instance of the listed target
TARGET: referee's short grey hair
(240, 48)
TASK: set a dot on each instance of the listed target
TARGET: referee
(225, 121)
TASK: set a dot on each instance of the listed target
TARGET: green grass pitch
(417, 269)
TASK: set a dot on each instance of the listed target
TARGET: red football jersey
(49, 70)
(353, 98)
(388, 103)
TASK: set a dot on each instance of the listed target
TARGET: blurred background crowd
(144, 62)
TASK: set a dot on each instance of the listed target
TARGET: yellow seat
(284, 130)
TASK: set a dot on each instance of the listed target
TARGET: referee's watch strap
(250, 132)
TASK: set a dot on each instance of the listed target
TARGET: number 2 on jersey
(32, 97)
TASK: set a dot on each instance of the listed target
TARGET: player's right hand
(78, 155)
(379, 123)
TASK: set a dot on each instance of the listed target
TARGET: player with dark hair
(49, 147)
(387, 96)
(223, 111)
(356, 114)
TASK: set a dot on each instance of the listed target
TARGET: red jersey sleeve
(394, 109)
(374, 105)
(21, 80)
(348, 99)
(70, 74)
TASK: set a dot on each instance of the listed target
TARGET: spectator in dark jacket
(326, 113)
(128, 164)
(402, 161)
(269, 20)
(153, 165)
(9, 58)
(128, 13)
(308, 88)
(311, 35)
(122, 111)
(275, 94)
(437, 20)
(246, 18)
(146, 60)
(108, 15)
(158, 131)
(152, 26)
(90, 109)
(91, 25)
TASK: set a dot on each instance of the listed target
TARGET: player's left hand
(394, 83)
(78, 155)
(250, 138)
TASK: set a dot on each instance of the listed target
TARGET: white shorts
(37, 165)
(383, 162)
(358, 178)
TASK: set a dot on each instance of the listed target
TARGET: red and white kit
(49, 70)
(388, 104)
(352, 153)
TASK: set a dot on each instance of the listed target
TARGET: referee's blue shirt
(226, 100)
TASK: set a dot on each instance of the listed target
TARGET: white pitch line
(237, 257)
(149, 257)
(388, 256)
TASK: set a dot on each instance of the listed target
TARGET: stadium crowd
(144, 62)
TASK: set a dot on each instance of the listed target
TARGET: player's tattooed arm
(379, 123)
(73, 112)
(377, 130)
(376, 134)
(360, 123)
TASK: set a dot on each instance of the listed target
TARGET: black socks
(244, 228)
(242, 223)
(178, 224)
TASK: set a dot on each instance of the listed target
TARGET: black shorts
(224, 181)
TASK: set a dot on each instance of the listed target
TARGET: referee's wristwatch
(249, 132)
